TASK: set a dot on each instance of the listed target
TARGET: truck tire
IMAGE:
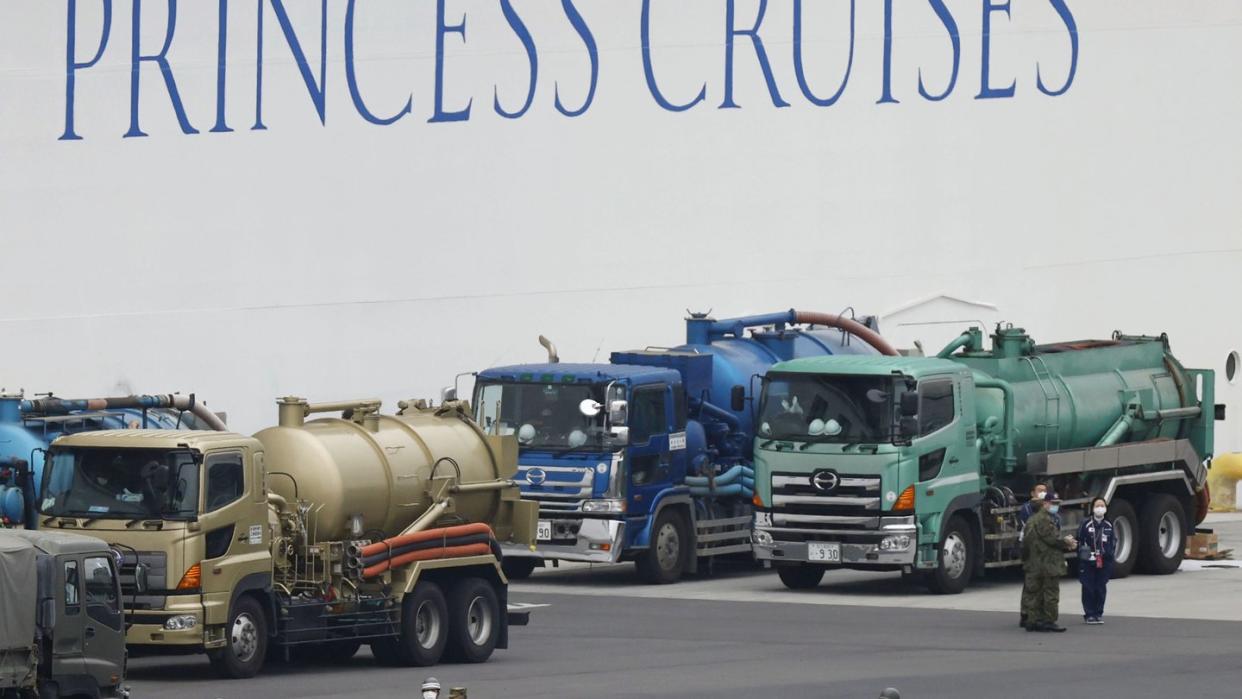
(474, 621)
(519, 568)
(1126, 531)
(1162, 537)
(663, 562)
(245, 641)
(424, 626)
(800, 577)
(956, 562)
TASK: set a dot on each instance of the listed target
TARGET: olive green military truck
(319, 535)
(61, 630)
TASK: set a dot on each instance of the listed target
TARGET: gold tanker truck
(316, 536)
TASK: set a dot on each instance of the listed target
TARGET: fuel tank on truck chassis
(1076, 395)
(370, 472)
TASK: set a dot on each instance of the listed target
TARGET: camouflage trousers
(1041, 598)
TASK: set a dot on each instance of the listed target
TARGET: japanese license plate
(543, 530)
(823, 553)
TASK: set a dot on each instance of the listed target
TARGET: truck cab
(602, 449)
(189, 511)
(60, 595)
(861, 457)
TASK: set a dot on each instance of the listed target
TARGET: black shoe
(1022, 621)
(1054, 628)
(1036, 627)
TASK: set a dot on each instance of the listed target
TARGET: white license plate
(823, 553)
(543, 531)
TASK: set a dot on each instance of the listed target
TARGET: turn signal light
(905, 502)
(757, 501)
(193, 578)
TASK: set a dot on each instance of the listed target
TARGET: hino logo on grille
(825, 481)
(536, 476)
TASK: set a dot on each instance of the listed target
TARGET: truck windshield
(120, 483)
(541, 414)
(827, 408)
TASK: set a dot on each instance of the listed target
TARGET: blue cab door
(650, 464)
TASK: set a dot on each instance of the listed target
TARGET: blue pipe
(720, 414)
(701, 331)
(725, 478)
(727, 491)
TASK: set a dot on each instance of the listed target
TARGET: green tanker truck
(919, 464)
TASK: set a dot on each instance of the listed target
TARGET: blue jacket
(1098, 538)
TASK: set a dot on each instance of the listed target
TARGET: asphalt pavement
(740, 634)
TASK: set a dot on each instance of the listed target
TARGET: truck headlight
(763, 538)
(901, 542)
(181, 622)
(612, 507)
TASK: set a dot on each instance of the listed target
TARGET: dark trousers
(1094, 587)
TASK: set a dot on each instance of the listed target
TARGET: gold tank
(364, 471)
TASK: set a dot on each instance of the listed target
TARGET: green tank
(1075, 395)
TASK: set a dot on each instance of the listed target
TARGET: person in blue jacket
(1096, 547)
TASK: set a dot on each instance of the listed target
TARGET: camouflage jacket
(1043, 549)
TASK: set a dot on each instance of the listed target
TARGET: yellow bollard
(1223, 482)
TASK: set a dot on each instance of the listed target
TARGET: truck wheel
(663, 562)
(1125, 529)
(245, 642)
(1162, 538)
(519, 568)
(957, 559)
(474, 621)
(800, 577)
(424, 626)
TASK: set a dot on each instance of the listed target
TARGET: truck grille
(157, 578)
(562, 488)
(854, 502)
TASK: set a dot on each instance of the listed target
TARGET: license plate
(823, 553)
(543, 531)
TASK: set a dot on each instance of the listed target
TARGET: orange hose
(427, 555)
(429, 535)
(851, 326)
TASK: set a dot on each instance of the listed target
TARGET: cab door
(947, 465)
(234, 528)
(103, 646)
(650, 465)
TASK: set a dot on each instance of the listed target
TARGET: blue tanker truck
(648, 458)
(27, 427)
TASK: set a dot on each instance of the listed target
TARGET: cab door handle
(952, 459)
(90, 632)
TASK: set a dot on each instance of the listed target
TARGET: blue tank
(721, 365)
(28, 427)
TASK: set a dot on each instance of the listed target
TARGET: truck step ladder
(1052, 402)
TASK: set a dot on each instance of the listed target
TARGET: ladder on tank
(1052, 402)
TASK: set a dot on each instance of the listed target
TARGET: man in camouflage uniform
(1043, 563)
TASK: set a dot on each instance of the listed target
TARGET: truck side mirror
(618, 413)
(908, 428)
(737, 398)
(909, 404)
(140, 578)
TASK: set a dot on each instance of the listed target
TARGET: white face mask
(430, 694)
(1099, 512)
